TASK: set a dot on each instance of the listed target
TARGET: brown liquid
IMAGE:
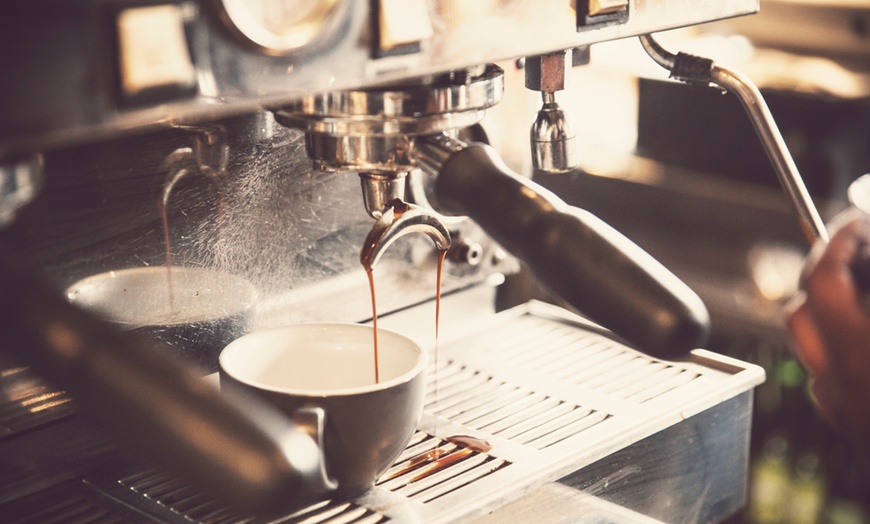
(367, 261)
(442, 463)
(473, 443)
(457, 448)
(371, 276)
(164, 215)
(429, 456)
(438, 456)
(442, 457)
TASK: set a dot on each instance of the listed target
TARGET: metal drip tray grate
(191, 505)
(417, 478)
(551, 393)
(27, 402)
(485, 403)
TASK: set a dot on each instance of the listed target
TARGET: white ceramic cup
(322, 376)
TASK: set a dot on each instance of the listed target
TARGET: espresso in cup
(192, 312)
(322, 376)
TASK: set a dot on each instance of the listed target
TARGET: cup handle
(312, 420)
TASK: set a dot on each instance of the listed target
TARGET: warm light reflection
(775, 270)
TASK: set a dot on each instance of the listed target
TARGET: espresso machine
(281, 142)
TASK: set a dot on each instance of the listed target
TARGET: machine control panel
(189, 60)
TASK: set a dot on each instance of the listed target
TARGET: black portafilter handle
(593, 267)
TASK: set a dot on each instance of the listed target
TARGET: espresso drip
(455, 449)
(442, 461)
(164, 216)
(473, 443)
(371, 276)
(369, 255)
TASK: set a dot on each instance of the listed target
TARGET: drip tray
(556, 397)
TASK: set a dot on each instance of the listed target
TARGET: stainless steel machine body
(120, 111)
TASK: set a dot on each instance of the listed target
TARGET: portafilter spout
(371, 131)
(398, 219)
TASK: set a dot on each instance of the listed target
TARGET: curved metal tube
(399, 219)
(659, 54)
(765, 126)
(776, 148)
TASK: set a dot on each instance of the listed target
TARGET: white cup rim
(242, 344)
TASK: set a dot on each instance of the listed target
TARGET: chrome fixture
(554, 147)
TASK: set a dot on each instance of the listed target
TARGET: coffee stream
(439, 457)
(371, 276)
(168, 243)
(163, 207)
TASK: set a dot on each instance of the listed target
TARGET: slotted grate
(162, 488)
(430, 468)
(588, 359)
(483, 402)
(549, 392)
(65, 503)
(26, 402)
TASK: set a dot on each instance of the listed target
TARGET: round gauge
(278, 27)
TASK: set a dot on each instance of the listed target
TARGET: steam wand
(696, 70)
(702, 71)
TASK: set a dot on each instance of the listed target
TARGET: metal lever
(702, 71)
(589, 264)
(697, 70)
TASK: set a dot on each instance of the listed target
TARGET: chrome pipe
(697, 70)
